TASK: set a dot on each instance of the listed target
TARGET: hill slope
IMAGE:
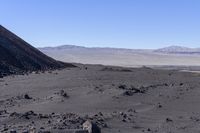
(18, 56)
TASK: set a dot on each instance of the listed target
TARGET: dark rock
(44, 132)
(91, 127)
(25, 132)
(13, 131)
(5, 129)
(26, 96)
(63, 94)
(128, 93)
(14, 114)
(148, 129)
(159, 105)
(28, 115)
(181, 84)
(81, 131)
(131, 110)
(140, 90)
(124, 87)
(2, 112)
(169, 120)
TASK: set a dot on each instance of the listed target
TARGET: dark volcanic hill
(17, 56)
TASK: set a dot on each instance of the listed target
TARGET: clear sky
(104, 23)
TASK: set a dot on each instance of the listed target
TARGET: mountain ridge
(178, 49)
(169, 49)
(124, 57)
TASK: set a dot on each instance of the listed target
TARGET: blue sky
(104, 23)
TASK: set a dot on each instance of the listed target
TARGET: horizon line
(84, 46)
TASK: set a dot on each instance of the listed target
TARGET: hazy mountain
(17, 56)
(179, 50)
(173, 55)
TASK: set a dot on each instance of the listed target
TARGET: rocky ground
(118, 100)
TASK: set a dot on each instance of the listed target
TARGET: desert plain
(117, 99)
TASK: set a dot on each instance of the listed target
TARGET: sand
(118, 100)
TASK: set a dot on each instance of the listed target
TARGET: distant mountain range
(178, 50)
(166, 50)
(173, 55)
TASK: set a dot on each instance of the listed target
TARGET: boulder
(91, 127)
